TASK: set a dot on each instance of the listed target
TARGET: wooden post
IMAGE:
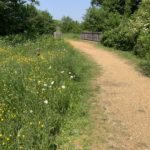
(58, 34)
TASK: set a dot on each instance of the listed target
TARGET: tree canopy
(69, 25)
(21, 16)
(120, 6)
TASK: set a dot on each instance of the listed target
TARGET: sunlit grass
(38, 92)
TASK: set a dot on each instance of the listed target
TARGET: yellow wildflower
(31, 123)
(8, 139)
(42, 126)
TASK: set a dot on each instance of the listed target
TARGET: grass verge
(44, 86)
(74, 36)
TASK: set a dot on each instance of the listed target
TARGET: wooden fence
(92, 36)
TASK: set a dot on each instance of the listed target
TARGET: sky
(59, 8)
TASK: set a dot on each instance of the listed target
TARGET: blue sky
(59, 8)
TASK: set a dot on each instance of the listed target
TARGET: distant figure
(58, 34)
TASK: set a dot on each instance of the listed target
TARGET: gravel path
(125, 94)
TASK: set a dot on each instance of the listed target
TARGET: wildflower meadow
(38, 92)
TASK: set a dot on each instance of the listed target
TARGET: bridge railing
(92, 36)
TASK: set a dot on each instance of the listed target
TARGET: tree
(94, 19)
(132, 6)
(21, 16)
(96, 2)
(69, 25)
(120, 6)
(108, 14)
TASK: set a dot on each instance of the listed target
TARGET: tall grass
(41, 84)
(75, 36)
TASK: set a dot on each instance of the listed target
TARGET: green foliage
(125, 25)
(93, 19)
(145, 66)
(142, 47)
(42, 84)
(68, 25)
(96, 2)
(39, 22)
(133, 33)
(100, 19)
(109, 38)
(111, 21)
(120, 38)
(75, 36)
(108, 14)
(21, 17)
(119, 6)
(128, 30)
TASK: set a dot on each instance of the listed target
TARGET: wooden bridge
(92, 36)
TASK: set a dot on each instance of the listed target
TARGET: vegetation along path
(125, 95)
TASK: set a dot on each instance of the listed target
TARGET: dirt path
(125, 95)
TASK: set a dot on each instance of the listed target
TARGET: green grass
(142, 65)
(42, 98)
(75, 36)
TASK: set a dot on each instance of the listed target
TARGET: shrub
(133, 32)
(121, 38)
(108, 38)
(142, 47)
(145, 66)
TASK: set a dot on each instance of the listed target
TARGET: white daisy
(45, 84)
(31, 111)
(46, 102)
(52, 82)
(71, 77)
(43, 89)
(63, 86)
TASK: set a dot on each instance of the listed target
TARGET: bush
(108, 38)
(94, 19)
(15, 39)
(121, 38)
(133, 33)
(145, 66)
(68, 25)
(111, 21)
(142, 47)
